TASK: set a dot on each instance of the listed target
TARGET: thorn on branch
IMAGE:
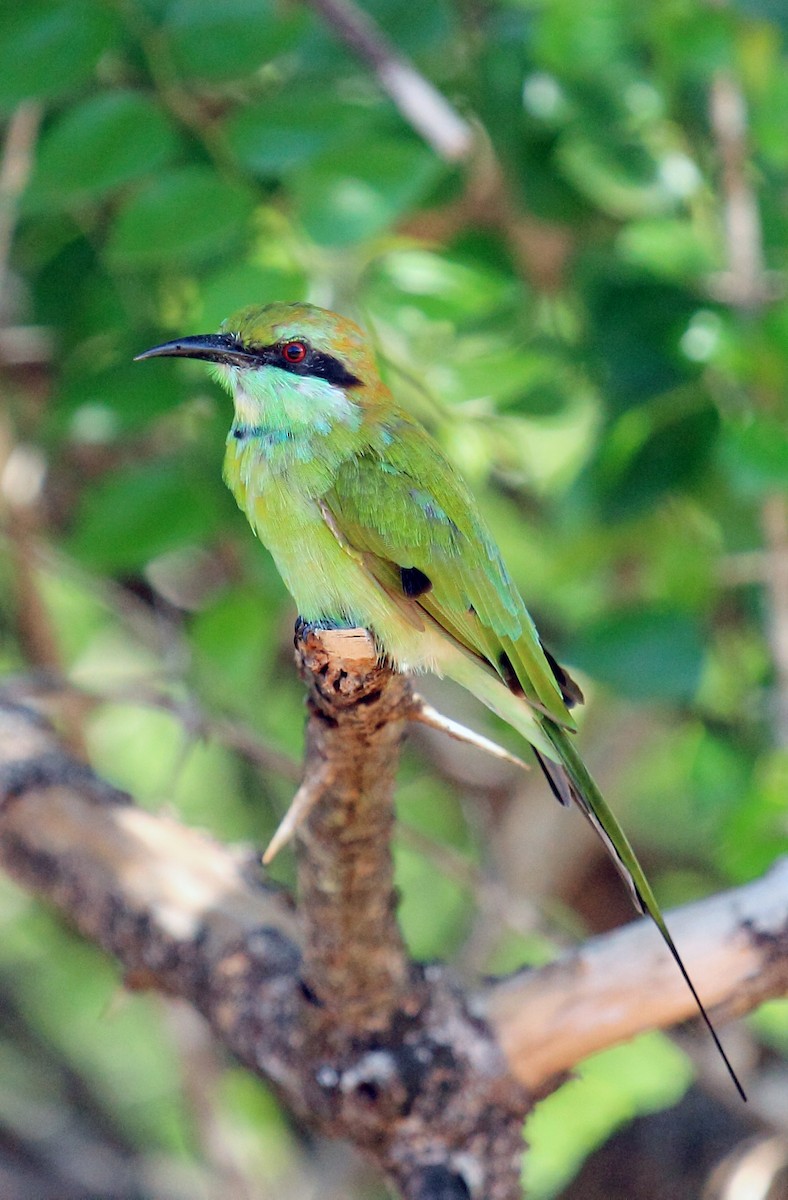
(425, 714)
(301, 805)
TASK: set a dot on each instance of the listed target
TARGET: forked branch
(361, 1042)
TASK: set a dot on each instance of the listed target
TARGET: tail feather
(572, 778)
(566, 793)
(571, 692)
(571, 783)
(557, 779)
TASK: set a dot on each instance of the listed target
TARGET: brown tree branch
(358, 1040)
(22, 467)
(774, 522)
(745, 284)
(613, 987)
(419, 1085)
(355, 960)
(748, 287)
(16, 163)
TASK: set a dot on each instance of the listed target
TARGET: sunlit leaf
(346, 197)
(755, 452)
(612, 1088)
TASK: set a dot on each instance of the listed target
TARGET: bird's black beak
(212, 347)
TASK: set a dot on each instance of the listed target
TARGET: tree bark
(429, 1082)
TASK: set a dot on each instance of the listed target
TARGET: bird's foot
(303, 627)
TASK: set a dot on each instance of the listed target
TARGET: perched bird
(370, 526)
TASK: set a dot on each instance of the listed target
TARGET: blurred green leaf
(645, 653)
(441, 286)
(254, 1109)
(141, 511)
(612, 1088)
(646, 455)
(693, 43)
(517, 379)
(617, 174)
(522, 109)
(241, 284)
(755, 454)
(637, 324)
(100, 406)
(227, 41)
(669, 247)
(346, 197)
(65, 987)
(770, 114)
(232, 641)
(771, 1024)
(47, 48)
(416, 29)
(98, 144)
(774, 11)
(755, 832)
(292, 128)
(421, 31)
(71, 294)
(190, 773)
(701, 778)
(184, 215)
(587, 42)
(433, 909)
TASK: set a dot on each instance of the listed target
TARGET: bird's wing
(405, 511)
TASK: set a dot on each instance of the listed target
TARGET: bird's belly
(330, 583)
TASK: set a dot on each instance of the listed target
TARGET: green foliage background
(565, 321)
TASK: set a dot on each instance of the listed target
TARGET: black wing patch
(570, 691)
(414, 582)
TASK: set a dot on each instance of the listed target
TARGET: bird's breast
(280, 493)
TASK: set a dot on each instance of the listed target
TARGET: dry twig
(421, 104)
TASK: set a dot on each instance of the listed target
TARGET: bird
(370, 526)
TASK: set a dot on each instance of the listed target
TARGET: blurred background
(574, 273)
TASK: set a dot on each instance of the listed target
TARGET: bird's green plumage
(370, 525)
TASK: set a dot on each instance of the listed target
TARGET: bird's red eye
(294, 352)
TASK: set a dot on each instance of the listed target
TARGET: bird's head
(299, 339)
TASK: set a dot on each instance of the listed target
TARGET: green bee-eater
(370, 526)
